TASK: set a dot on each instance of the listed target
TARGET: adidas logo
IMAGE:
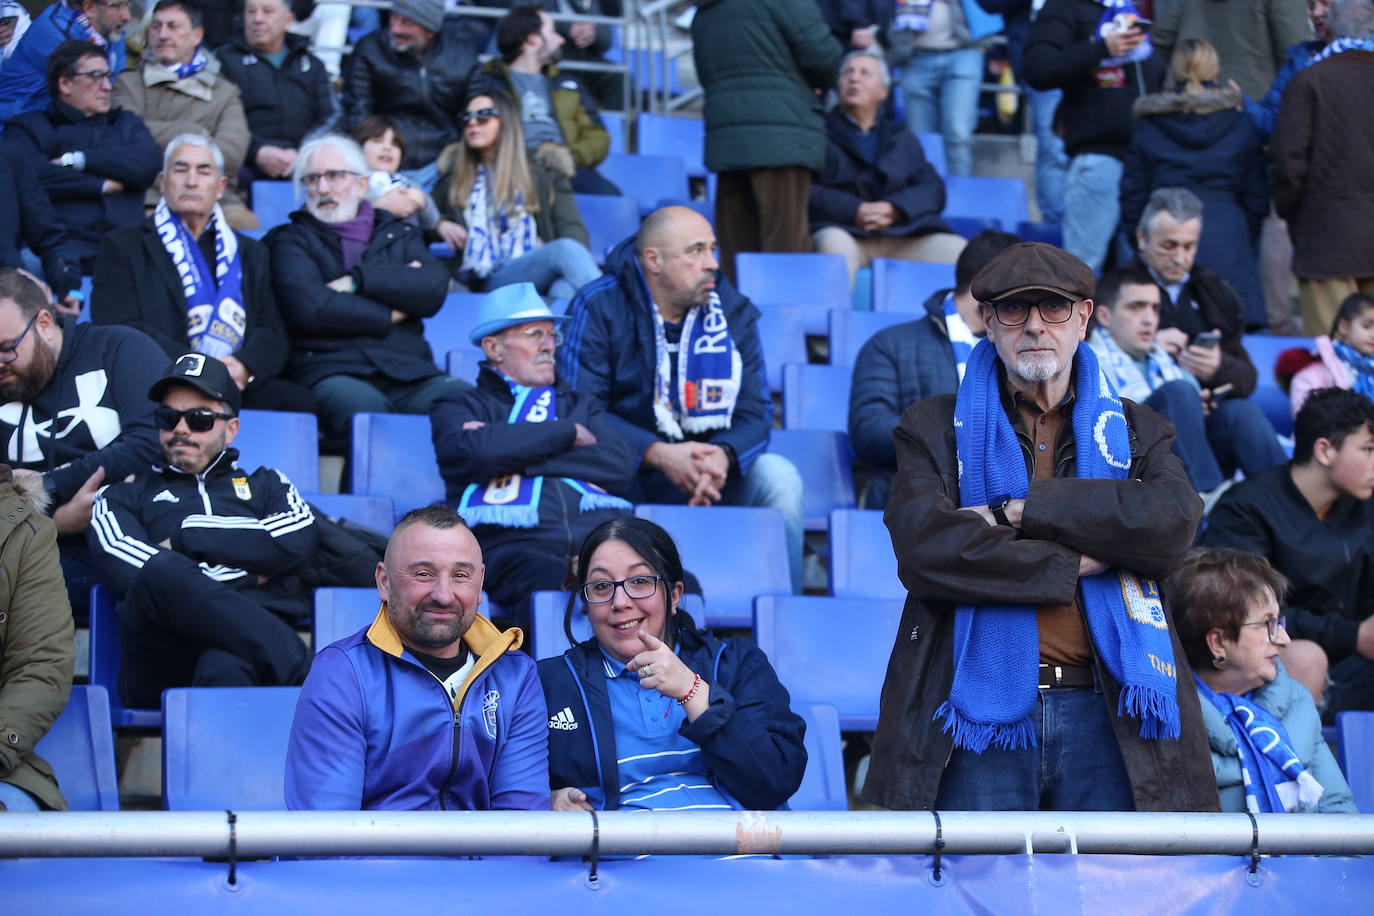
(563, 720)
(165, 497)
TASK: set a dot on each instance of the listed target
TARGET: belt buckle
(1058, 677)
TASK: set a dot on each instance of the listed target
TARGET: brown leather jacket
(947, 557)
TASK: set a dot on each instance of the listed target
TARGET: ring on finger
(646, 671)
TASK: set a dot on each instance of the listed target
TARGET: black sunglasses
(481, 115)
(198, 419)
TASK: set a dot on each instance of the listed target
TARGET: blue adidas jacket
(749, 736)
(375, 730)
(23, 82)
(608, 356)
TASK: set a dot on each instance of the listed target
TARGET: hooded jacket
(375, 730)
(36, 648)
(282, 104)
(24, 81)
(573, 108)
(1326, 371)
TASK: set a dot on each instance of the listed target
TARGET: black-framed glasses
(198, 419)
(599, 591)
(1273, 623)
(96, 76)
(1015, 312)
(481, 116)
(332, 177)
(11, 353)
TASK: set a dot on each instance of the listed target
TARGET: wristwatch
(998, 508)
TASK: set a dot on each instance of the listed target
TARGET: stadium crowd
(1118, 575)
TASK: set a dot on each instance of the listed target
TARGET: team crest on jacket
(241, 489)
(489, 704)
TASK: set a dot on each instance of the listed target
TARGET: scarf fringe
(705, 424)
(526, 516)
(1155, 709)
(591, 501)
(976, 736)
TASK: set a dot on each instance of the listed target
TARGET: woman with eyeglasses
(1265, 733)
(520, 221)
(652, 713)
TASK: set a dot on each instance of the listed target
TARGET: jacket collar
(483, 639)
(200, 85)
(73, 115)
(224, 463)
(293, 44)
(841, 131)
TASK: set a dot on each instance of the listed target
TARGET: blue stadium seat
(86, 284)
(225, 747)
(1002, 199)
(273, 202)
(850, 330)
(1356, 730)
(449, 328)
(816, 397)
(814, 283)
(704, 208)
(281, 440)
(393, 455)
(442, 250)
(1264, 350)
(1276, 407)
(862, 564)
(341, 612)
(823, 786)
(783, 337)
(969, 226)
(735, 552)
(647, 179)
(462, 363)
(819, 661)
(80, 748)
(546, 622)
(933, 145)
(822, 458)
(904, 286)
(375, 512)
(609, 221)
(104, 654)
(664, 135)
(1049, 233)
(614, 122)
(862, 297)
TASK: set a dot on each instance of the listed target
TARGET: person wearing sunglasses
(23, 80)
(1268, 752)
(652, 713)
(200, 553)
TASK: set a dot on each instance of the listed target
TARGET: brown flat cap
(1033, 265)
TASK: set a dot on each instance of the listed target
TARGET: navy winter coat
(27, 218)
(282, 104)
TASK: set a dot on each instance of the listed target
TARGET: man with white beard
(353, 283)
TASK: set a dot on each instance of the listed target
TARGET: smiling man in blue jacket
(428, 707)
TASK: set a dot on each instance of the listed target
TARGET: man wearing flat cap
(201, 553)
(532, 467)
(1032, 513)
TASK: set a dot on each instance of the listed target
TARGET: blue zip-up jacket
(749, 736)
(1266, 111)
(23, 82)
(375, 730)
(608, 356)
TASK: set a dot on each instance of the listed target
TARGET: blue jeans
(1242, 438)
(557, 269)
(16, 799)
(1051, 162)
(941, 96)
(1076, 764)
(1092, 206)
(1180, 404)
(341, 396)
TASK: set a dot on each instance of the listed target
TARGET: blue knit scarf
(996, 646)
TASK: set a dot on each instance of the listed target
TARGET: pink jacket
(1327, 372)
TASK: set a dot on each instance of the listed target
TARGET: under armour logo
(102, 423)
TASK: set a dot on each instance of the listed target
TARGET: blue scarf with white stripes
(996, 646)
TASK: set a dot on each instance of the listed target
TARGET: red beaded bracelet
(696, 685)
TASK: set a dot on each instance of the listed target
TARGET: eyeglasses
(1273, 623)
(599, 591)
(537, 336)
(1015, 312)
(96, 76)
(198, 419)
(332, 177)
(11, 353)
(481, 116)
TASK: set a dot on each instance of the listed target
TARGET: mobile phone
(1221, 391)
(1208, 340)
(1143, 24)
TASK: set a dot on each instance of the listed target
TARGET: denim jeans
(341, 396)
(1075, 765)
(1242, 438)
(557, 269)
(1051, 162)
(941, 96)
(1180, 403)
(16, 799)
(1092, 206)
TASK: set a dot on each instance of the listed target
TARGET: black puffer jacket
(338, 333)
(27, 218)
(424, 95)
(282, 104)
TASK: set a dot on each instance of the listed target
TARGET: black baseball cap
(204, 373)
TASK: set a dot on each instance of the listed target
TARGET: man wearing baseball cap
(201, 553)
(531, 467)
(1036, 665)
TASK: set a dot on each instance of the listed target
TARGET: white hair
(192, 139)
(884, 75)
(347, 146)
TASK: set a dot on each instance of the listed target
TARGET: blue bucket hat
(508, 306)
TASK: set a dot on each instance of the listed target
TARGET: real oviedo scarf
(996, 646)
(707, 373)
(512, 501)
(215, 317)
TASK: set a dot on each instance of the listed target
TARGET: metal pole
(543, 833)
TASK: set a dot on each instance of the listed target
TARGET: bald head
(677, 251)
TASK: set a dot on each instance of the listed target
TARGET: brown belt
(1052, 676)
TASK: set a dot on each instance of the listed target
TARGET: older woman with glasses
(652, 713)
(1263, 727)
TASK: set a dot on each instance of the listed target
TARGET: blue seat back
(823, 786)
(86, 284)
(670, 136)
(862, 564)
(850, 330)
(341, 612)
(614, 122)
(1276, 407)
(969, 226)
(449, 328)
(609, 221)
(80, 749)
(1001, 199)
(1264, 350)
(463, 363)
(1049, 233)
(735, 552)
(546, 622)
(933, 145)
(782, 333)
(816, 397)
(225, 747)
(375, 512)
(273, 202)
(904, 286)
(814, 283)
(104, 655)
(819, 661)
(1356, 730)
(393, 456)
(648, 179)
(283, 441)
(822, 457)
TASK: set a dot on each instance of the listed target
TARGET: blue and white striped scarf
(1124, 371)
(709, 371)
(193, 66)
(1360, 367)
(996, 646)
(495, 237)
(1341, 45)
(215, 317)
(961, 338)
